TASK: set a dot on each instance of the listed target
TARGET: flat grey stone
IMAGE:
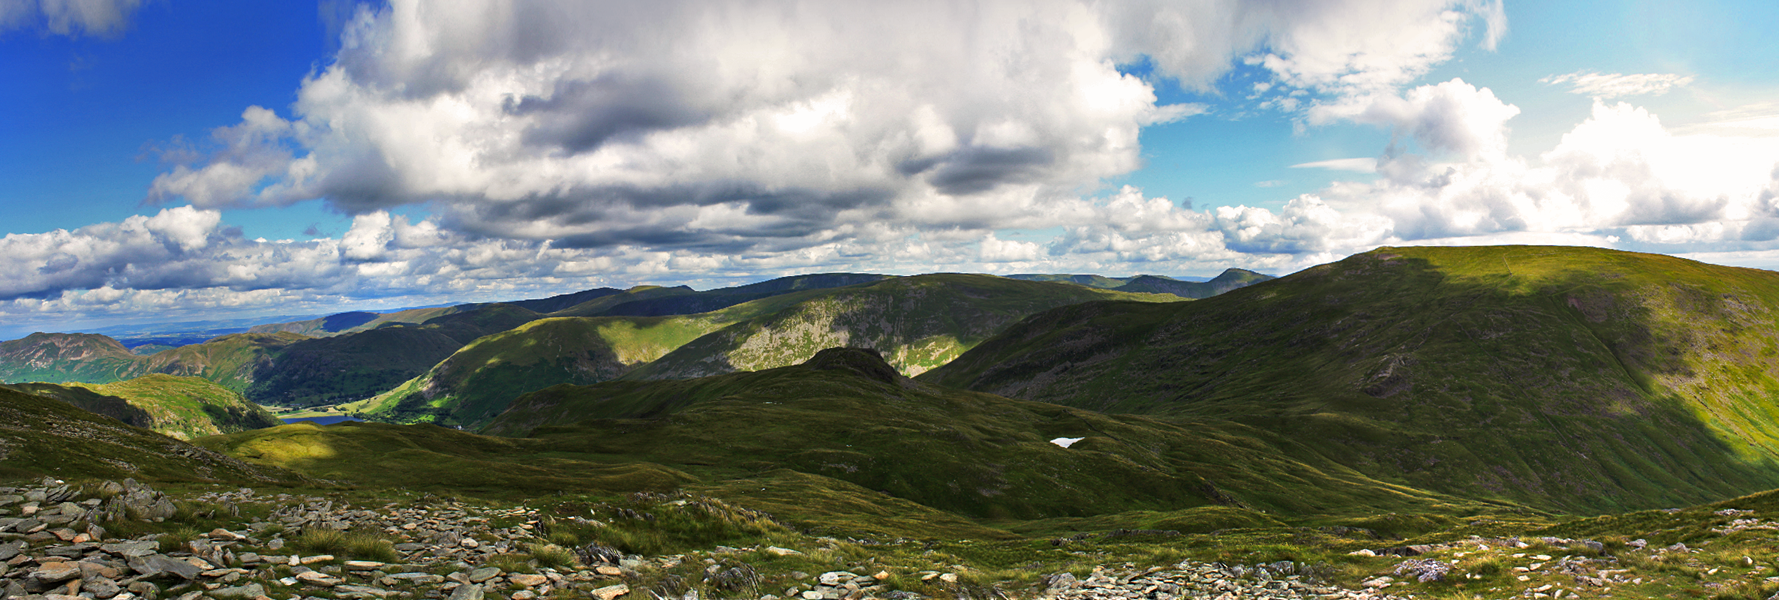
(471, 591)
(155, 565)
(251, 590)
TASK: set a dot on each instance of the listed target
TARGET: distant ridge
(1229, 279)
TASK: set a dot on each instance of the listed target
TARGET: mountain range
(1396, 395)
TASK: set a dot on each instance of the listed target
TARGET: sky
(181, 160)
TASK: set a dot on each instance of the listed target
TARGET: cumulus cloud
(1614, 85)
(73, 18)
(691, 125)
(1620, 175)
(1452, 117)
(1356, 165)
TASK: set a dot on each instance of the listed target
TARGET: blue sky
(170, 159)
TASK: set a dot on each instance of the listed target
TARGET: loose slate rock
(251, 590)
(131, 549)
(155, 565)
(608, 592)
(56, 572)
(467, 592)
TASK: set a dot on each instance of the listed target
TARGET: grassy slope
(1230, 279)
(972, 454)
(41, 436)
(349, 367)
(432, 457)
(918, 322)
(181, 407)
(478, 381)
(927, 316)
(231, 361)
(65, 357)
(1567, 378)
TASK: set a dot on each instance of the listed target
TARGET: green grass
(40, 436)
(973, 454)
(1572, 379)
(920, 322)
(182, 407)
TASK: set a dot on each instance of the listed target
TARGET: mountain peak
(866, 362)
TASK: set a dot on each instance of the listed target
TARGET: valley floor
(112, 541)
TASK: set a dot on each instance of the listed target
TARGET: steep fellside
(232, 361)
(847, 415)
(181, 407)
(349, 367)
(918, 322)
(65, 357)
(41, 436)
(479, 380)
(1571, 378)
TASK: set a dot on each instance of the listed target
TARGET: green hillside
(847, 415)
(1229, 280)
(918, 322)
(925, 320)
(1577, 379)
(348, 367)
(65, 357)
(181, 407)
(478, 381)
(41, 436)
(232, 361)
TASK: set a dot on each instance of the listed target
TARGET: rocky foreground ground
(54, 545)
(62, 542)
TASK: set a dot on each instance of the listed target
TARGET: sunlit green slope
(1571, 378)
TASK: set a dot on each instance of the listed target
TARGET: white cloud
(1620, 174)
(1452, 117)
(996, 250)
(1356, 165)
(1614, 85)
(103, 18)
(690, 125)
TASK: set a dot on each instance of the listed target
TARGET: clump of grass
(176, 539)
(552, 555)
(512, 563)
(365, 546)
(320, 541)
(1486, 567)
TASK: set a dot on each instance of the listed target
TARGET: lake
(327, 420)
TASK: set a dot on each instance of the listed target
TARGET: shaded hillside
(349, 367)
(181, 407)
(1572, 378)
(918, 322)
(232, 361)
(327, 325)
(40, 436)
(1229, 279)
(718, 299)
(847, 415)
(1096, 281)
